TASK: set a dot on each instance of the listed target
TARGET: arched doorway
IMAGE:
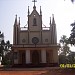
(35, 57)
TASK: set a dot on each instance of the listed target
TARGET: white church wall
(38, 22)
(46, 37)
(24, 37)
(34, 34)
(55, 55)
(43, 55)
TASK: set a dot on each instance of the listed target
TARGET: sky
(64, 14)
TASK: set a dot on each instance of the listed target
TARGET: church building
(35, 45)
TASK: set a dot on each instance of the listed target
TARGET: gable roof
(33, 12)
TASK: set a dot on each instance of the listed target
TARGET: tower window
(34, 15)
(34, 22)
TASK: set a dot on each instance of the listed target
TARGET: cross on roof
(34, 1)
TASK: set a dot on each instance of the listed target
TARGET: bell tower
(34, 24)
(34, 19)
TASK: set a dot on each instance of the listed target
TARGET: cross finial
(34, 1)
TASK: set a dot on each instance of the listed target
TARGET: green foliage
(64, 40)
(5, 48)
(1, 50)
(67, 56)
(71, 58)
(72, 35)
(64, 45)
(64, 50)
(62, 59)
(5, 61)
(72, 1)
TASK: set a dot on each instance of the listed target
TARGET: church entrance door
(35, 57)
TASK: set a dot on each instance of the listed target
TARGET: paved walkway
(22, 72)
(37, 71)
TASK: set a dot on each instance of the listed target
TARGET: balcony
(26, 28)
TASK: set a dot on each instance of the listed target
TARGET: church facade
(35, 45)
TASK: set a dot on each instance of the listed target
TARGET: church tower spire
(16, 31)
(34, 1)
(28, 10)
(40, 11)
(34, 4)
(19, 20)
(15, 20)
(53, 31)
(53, 21)
(50, 21)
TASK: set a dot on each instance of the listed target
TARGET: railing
(45, 28)
(24, 28)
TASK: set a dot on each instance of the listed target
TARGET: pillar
(15, 57)
(27, 56)
(43, 56)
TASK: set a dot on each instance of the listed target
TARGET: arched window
(34, 22)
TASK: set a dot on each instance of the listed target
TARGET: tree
(64, 50)
(71, 58)
(64, 40)
(72, 1)
(2, 49)
(72, 35)
(5, 48)
(64, 45)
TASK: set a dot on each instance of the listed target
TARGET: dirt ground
(38, 71)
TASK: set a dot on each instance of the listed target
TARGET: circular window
(35, 40)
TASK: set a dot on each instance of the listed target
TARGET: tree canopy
(72, 0)
(72, 35)
(64, 48)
